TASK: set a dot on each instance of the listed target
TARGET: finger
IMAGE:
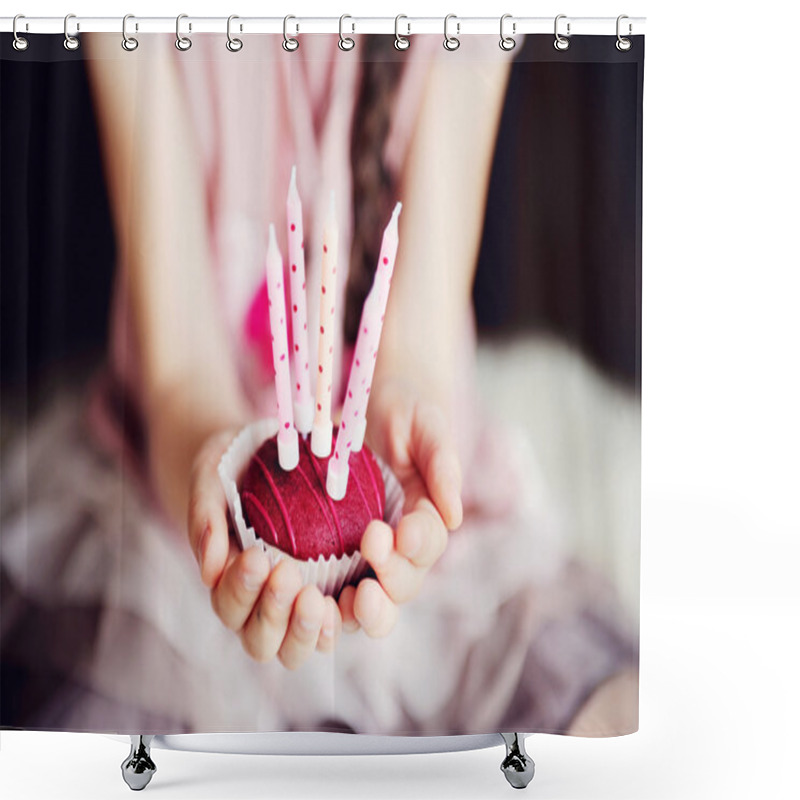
(207, 520)
(391, 431)
(400, 579)
(374, 610)
(346, 600)
(421, 535)
(331, 626)
(266, 627)
(238, 589)
(437, 461)
(304, 627)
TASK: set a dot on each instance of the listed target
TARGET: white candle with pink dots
(322, 429)
(350, 435)
(303, 402)
(288, 451)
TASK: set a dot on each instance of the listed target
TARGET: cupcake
(289, 514)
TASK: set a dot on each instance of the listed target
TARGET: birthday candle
(303, 403)
(322, 430)
(288, 454)
(350, 436)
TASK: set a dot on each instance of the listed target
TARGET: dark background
(561, 249)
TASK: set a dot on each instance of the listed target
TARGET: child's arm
(188, 384)
(190, 391)
(444, 188)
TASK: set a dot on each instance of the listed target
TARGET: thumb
(437, 461)
(207, 515)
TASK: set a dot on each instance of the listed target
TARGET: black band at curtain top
(539, 47)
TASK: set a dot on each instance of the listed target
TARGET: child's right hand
(270, 611)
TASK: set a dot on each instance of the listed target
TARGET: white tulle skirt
(106, 625)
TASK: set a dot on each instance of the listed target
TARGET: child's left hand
(412, 437)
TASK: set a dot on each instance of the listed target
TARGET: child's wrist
(179, 423)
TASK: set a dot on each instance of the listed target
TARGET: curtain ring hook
(20, 43)
(183, 43)
(129, 43)
(234, 45)
(290, 44)
(345, 42)
(507, 42)
(451, 43)
(623, 44)
(70, 42)
(561, 42)
(400, 42)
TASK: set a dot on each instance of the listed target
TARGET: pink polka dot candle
(303, 402)
(322, 430)
(350, 436)
(288, 453)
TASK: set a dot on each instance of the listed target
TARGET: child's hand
(411, 435)
(269, 610)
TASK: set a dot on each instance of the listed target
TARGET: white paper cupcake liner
(329, 574)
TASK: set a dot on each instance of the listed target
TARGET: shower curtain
(200, 245)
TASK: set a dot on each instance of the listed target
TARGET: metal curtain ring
(622, 43)
(345, 42)
(290, 44)
(20, 43)
(182, 42)
(451, 42)
(70, 42)
(129, 43)
(507, 42)
(561, 42)
(400, 42)
(234, 45)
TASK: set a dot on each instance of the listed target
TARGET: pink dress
(507, 630)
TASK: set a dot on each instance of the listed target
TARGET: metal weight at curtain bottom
(138, 768)
(517, 766)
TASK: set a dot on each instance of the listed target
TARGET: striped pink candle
(322, 429)
(303, 402)
(288, 454)
(350, 436)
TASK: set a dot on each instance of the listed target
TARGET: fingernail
(252, 580)
(279, 598)
(327, 632)
(307, 624)
(454, 495)
(350, 626)
(200, 553)
(411, 544)
(254, 575)
(384, 547)
(366, 619)
(454, 485)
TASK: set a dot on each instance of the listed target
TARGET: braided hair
(373, 184)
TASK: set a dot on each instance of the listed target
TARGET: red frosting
(292, 510)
